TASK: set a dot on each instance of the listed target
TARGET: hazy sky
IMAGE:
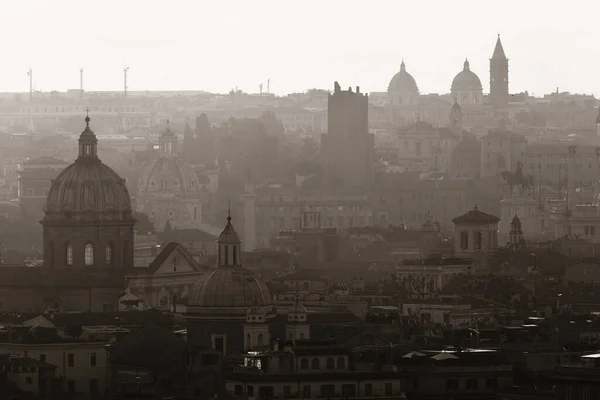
(218, 45)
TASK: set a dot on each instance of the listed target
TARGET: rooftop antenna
(81, 82)
(30, 74)
(125, 70)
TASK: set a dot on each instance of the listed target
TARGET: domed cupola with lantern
(169, 189)
(229, 308)
(466, 87)
(88, 221)
(403, 89)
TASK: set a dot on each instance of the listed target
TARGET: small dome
(466, 80)
(403, 82)
(88, 187)
(230, 287)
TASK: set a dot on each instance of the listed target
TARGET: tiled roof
(475, 216)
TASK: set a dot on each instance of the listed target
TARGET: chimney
(358, 89)
(336, 87)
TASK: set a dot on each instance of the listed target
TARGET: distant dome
(403, 82)
(88, 188)
(168, 173)
(466, 80)
(229, 287)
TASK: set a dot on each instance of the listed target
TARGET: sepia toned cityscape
(334, 243)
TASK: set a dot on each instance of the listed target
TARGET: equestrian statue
(516, 179)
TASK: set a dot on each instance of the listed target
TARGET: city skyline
(193, 46)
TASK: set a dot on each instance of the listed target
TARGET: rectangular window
(30, 191)
(71, 360)
(93, 359)
(71, 386)
(368, 389)
(42, 357)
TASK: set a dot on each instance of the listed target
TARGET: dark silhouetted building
(348, 149)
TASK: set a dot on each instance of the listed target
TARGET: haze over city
(217, 46)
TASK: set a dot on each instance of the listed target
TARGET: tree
(143, 224)
(75, 331)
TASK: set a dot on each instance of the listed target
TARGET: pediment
(174, 259)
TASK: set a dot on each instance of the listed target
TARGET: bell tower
(499, 74)
(516, 233)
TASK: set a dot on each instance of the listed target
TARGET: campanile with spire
(499, 74)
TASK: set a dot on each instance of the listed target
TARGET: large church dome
(168, 173)
(466, 80)
(229, 288)
(403, 82)
(88, 188)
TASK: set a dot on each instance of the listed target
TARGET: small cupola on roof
(475, 232)
(88, 143)
(229, 246)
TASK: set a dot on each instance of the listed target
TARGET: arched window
(69, 254)
(341, 363)
(478, 241)
(302, 336)
(418, 148)
(234, 254)
(304, 363)
(315, 363)
(464, 240)
(109, 254)
(88, 255)
(330, 363)
(260, 339)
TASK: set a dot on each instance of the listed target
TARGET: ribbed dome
(466, 80)
(168, 174)
(403, 82)
(88, 187)
(229, 287)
